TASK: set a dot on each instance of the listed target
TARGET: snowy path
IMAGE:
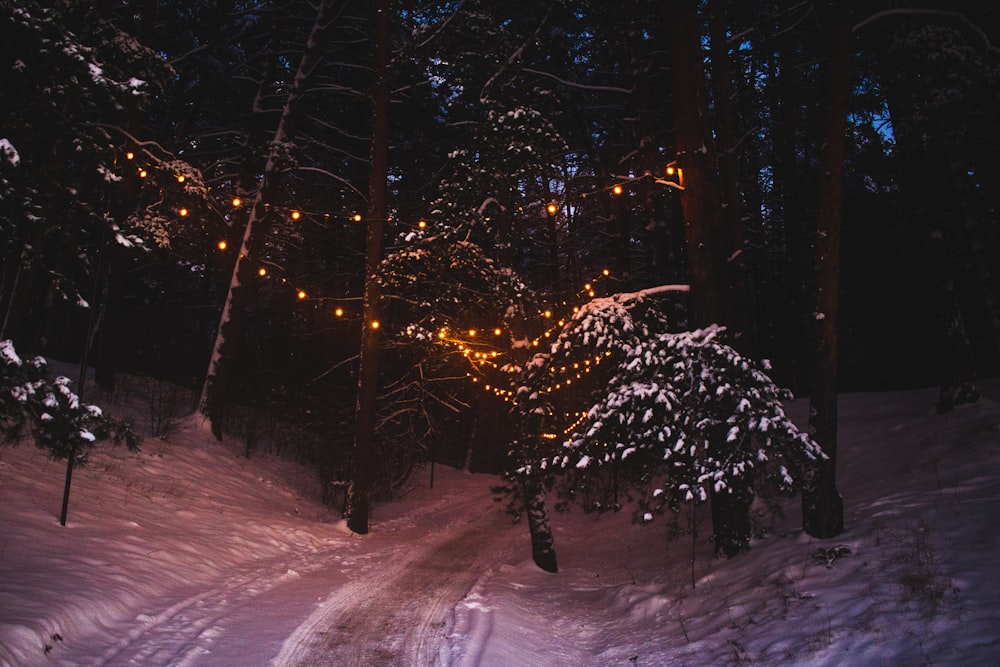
(398, 612)
(382, 599)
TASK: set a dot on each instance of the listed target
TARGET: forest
(376, 234)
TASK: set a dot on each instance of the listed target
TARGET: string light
(129, 155)
(477, 357)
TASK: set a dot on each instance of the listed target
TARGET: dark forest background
(128, 128)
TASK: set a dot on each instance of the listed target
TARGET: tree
(822, 505)
(712, 289)
(74, 78)
(359, 498)
(257, 226)
(934, 70)
(664, 419)
(48, 408)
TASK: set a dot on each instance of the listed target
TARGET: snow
(189, 554)
(9, 153)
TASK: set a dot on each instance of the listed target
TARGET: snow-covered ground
(189, 554)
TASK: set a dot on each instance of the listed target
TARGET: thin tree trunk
(822, 505)
(359, 493)
(221, 364)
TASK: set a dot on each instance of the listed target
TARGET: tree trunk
(729, 177)
(651, 218)
(221, 364)
(822, 505)
(359, 494)
(712, 297)
(542, 542)
(701, 199)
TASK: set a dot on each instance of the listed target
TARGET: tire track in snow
(185, 631)
(401, 619)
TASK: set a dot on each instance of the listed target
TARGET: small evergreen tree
(653, 418)
(50, 410)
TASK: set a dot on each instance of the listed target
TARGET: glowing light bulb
(182, 212)
(237, 202)
(497, 331)
(356, 217)
(302, 294)
(605, 272)
(617, 189)
(671, 170)
(262, 271)
(422, 224)
(296, 215)
(375, 324)
(223, 245)
(552, 209)
(339, 312)
(130, 155)
(547, 313)
(180, 178)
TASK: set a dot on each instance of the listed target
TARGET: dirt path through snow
(398, 613)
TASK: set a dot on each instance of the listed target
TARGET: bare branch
(581, 86)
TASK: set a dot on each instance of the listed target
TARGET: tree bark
(822, 505)
(359, 492)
